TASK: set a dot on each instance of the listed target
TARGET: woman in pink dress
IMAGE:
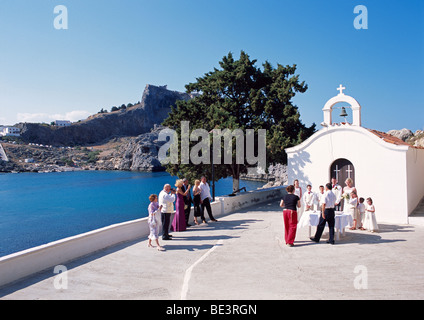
(179, 224)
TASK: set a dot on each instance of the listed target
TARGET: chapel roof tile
(392, 139)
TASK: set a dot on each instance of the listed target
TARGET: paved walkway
(244, 257)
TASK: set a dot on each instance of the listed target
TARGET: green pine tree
(240, 95)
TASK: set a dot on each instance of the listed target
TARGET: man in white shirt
(320, 198)
(166, 200)
(337, 190)
(205, 200)
(327, 216)
(309, 198)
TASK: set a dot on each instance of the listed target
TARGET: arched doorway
(341, 169)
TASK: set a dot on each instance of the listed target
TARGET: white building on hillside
(10, 132)
(382, 167)
(62, 123)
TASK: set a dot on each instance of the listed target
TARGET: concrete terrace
(244, 256)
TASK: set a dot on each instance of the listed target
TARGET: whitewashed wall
(415, 171)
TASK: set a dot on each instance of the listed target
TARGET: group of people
(161, 208)
(328, 200)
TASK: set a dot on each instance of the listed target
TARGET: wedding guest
(346, 195)
(319, 198)
(309, 198)
(205, 200)
(179, 222)
(361, 209)
(154, 221)
(327, 215)
(337, 190)
(187, 202)
(298, 191)
(370, 221)
(290, 203)
(166, 201)
(196, 201)
(352, 208)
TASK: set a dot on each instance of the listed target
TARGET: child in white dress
(370, 221)
(351, 207)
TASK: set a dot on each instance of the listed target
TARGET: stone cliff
(153, 109)
(414, 139)
(136, 154)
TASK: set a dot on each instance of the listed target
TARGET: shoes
(167, 238)
(315, 240)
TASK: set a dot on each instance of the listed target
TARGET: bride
(347, 191)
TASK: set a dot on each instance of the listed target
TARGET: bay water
(38, 208)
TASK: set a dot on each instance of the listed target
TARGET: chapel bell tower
(341, 97)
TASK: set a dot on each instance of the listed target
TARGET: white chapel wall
(379, 167)
(415, 176)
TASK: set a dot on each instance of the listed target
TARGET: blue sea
(38, 208)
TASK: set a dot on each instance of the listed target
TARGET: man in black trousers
(187, 202)
(328, 215)
(205, 200)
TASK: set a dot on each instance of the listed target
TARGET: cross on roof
(341, 88)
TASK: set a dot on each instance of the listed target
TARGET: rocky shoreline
(277, 176)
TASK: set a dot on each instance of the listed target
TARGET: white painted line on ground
(188, 272)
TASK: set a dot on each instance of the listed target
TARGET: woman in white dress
(154, 221)
(347, 207)
(346, 194)
(370, 221)
(299, 193)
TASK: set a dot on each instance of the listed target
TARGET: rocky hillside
(32, 158)
(153, 109)
(135, 154)
(124, 153)
(415, 139)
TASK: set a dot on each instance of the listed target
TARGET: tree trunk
(236, 184)
(236, 178)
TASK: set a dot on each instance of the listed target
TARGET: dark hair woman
(290, 203)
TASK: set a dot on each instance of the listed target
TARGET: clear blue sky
(112, 49)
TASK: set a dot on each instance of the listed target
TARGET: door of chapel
(342, 169)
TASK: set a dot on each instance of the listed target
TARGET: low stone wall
(23, 264)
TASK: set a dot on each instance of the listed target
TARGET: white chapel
(383, 167)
